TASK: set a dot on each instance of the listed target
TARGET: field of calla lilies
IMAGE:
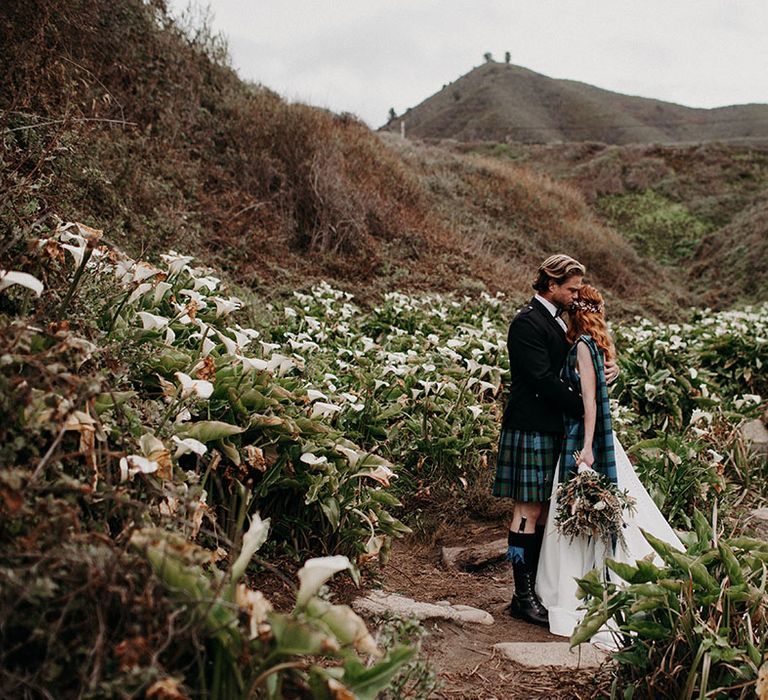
(158, 429)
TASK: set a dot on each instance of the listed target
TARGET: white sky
(365, 56)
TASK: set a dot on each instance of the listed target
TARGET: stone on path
(756, 436)
(758, 519)
(535, 654)
(475, 556)
(378, 602)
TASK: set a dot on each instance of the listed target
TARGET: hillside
(504, 103)
(139, 127)
(699, 210)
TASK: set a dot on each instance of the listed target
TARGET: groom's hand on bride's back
(611, 371)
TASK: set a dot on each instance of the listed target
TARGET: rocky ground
(472, 658)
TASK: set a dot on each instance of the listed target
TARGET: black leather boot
(525, 603)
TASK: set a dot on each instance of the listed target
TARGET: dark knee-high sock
(521, 548)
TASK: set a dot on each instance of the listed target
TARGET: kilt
(526, 465)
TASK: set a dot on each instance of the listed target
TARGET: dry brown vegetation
(702, 207)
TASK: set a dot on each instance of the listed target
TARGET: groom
(532, 429)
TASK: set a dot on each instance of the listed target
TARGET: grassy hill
(502, 102)
(132, 124)
(698, 210)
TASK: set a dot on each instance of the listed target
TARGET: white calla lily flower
(252, 540)
(136, 464)
(315, 395)
(312, 459)
(226, 306)
(152, 322)
(188, 446)
(315, 573)
(139, 292)
(77, 252)
(201, 387)
(210, 283)
(24, 279)
(229, 345)
(252, 364)
(160, 289)
(176, 263)
(143, 271)
(324, 409)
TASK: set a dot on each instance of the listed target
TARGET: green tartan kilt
(526, 465)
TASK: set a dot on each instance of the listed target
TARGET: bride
(563, 559)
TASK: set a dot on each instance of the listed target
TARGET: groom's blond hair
(559, 268)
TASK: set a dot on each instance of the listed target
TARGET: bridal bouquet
(591, 504)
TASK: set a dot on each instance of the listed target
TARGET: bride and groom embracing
(558, 405)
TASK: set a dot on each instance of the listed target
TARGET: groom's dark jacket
(538, 397)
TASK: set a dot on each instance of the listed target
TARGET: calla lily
(183, 416)
(243, 339)
(475, 411)
(314, 395)
(353, 456)
(144, 271)
(280, 364)
(198, 298)
(251, 364)
(9, 277)
(210, 283)
(189, 386)
(226, 306)
(152, 322)
(382, 474)
(229, 344)
(124, 270)
(139, 292)
(315, 573)
(136, 464)
(176, 262)
(252, 540)
(324, 409)
(160, 289)
(77, 252)
(312, 459)
(188, 446)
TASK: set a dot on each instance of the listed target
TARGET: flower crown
(583, 305)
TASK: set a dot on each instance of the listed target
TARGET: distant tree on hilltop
(488, 56)
(392, 114)
(507, 57)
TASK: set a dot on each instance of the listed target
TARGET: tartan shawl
(602, 443)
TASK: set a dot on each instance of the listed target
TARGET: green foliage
(679, 393)
(137, 407)
(658, 228)
(417, 679)
(694, 627)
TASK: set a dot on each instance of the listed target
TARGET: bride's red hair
(587, 317)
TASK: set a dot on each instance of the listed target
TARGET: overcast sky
(366, 56)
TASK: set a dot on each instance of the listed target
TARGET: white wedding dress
(563, 560)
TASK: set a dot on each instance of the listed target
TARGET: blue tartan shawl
(602, 444)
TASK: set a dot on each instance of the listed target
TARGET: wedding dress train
(563, 560)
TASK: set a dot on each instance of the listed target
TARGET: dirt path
(463, 654)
